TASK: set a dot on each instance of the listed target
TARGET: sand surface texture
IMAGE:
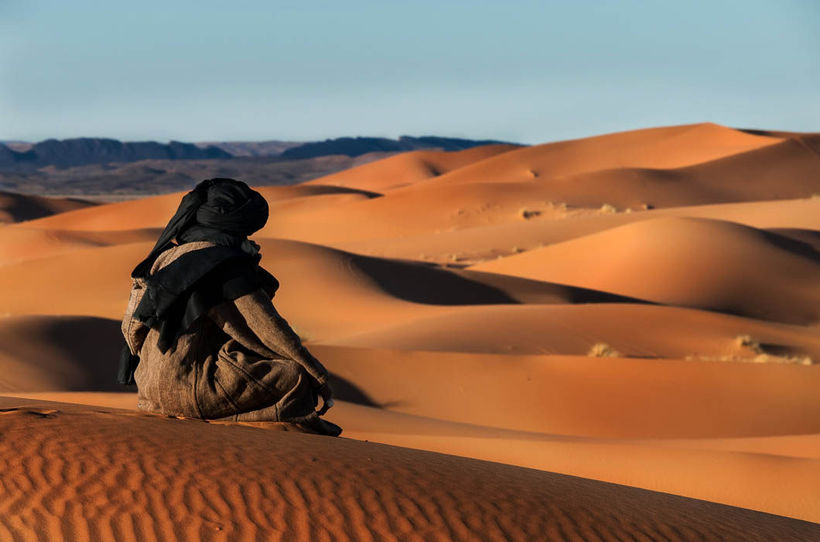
(639, 308)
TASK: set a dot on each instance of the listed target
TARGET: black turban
(223, 212)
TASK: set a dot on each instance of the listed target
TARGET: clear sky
(528, 71)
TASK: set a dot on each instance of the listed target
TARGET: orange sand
(455, 297)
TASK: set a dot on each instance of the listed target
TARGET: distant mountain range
(87, 150)
(19, 156)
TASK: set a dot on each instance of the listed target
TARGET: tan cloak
(242, 362)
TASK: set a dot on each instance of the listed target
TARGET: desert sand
(634, 309)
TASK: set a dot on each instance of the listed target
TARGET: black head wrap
(223, 212)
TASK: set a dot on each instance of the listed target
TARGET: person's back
(209, 340)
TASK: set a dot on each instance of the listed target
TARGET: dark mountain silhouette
(87, 150)
(251, 148)
(84, 151)
(357, 146)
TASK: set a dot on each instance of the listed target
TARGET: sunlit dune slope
(575, 395)
(684, 261)
(579, 395)
(747, 472)
(110, 474)
(785, 170)
(646, 331)
(667, 147)
(473, 245)
(19, 243)
(409, 167)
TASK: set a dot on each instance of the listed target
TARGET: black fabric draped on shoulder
(180, 293)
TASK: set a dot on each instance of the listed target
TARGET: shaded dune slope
(18, 207)
(46, 353)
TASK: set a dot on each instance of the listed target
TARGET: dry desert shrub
(603, 350)
(746, 341)
(607, 208)
(527, 214)
(749, 343)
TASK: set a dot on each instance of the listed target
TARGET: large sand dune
(91, 474)
(707, 264)
(640, 308)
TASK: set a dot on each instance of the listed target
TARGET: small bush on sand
(746, 341)
(603, 350)
(527, 214)
(607, 208)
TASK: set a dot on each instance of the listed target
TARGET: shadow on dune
(799, 242)
(810, 238)
(345, 390)
(431, 285)
(80, 354)
(21, 208)
(428, 285)
(56, 353)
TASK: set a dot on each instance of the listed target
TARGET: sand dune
(461, 301)
(17, 207)
(474, 245)
(154, 212)
(409, 167)
(489, 185)
(787, 170)
(46, 353)
(151, 478)
(707, 264)
(739, 472)
(669, 147)
(587, 396)
(384, 291)
(644, 331)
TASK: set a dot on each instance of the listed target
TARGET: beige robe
(241, 361)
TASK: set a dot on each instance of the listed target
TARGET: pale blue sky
(528, 71)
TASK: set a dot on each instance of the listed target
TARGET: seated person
(203, 339)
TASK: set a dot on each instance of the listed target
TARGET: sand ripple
(88, 474)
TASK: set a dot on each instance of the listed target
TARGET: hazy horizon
(522, 71)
